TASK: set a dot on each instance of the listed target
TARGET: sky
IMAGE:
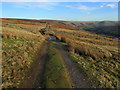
(68, 11)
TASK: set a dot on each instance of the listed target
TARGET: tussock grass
(103, 73)
(90, 46)
(19, 52)
(96, 55)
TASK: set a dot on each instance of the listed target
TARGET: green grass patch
(64, 45)
(11, 41)
(56, 75)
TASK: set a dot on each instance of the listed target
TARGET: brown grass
(20, 50)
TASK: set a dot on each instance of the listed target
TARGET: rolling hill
(108, 28)
(96, 56)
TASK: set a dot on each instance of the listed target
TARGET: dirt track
(36, 77)
(78, 80)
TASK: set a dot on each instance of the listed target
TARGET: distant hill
(106, 28)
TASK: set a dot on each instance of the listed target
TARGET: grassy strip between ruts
(56, 75)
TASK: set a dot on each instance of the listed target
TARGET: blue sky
(72, 11)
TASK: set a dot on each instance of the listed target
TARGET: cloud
(101, 6)
(82, 7)
(112, 5)
(30, 5)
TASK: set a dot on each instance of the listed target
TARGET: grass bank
(103, 73)
(97, 71)
(19, 51)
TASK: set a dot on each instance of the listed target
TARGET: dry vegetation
(20, 50)
(96, 55)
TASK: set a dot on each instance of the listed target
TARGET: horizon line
(58, 19)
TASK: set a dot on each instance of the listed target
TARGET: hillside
(20, 50)
(104, 28)
(95, 58)
(108, 28)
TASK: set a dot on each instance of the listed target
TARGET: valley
(76, 56)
